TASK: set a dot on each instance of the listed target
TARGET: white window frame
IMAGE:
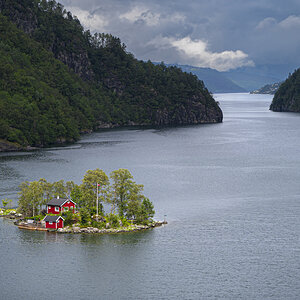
(50, 223)
(57, 208)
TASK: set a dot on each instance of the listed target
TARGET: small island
(66, 207)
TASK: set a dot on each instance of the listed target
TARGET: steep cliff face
(287, 97)
(78, 62)
(193, 112)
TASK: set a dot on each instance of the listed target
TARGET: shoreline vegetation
(127, 208)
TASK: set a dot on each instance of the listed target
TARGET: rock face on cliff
(99, 83)
(287, 97)
(192, 112)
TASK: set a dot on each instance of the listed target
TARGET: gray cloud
(222, 34)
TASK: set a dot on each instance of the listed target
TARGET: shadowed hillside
(287, 97)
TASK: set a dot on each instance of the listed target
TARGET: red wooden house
(58, 205)
(54, 222)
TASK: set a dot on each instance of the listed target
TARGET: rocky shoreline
(76, 229)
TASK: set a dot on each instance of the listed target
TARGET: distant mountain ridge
(215, 81)
(243, 79)
(253, 78)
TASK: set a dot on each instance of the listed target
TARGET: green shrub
(69, 217)
(113, 220)
(96, 224)
(125, 222)
(85, 217)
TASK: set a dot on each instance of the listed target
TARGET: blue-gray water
(231, 193)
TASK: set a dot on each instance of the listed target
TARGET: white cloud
(150, 17)
(265, 23)
(141, 14)
(195, 52)
(222, 25)
(94, 22)
(290, 21)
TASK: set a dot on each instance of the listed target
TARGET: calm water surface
(231, 193)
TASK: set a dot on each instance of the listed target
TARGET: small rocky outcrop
(6, 146)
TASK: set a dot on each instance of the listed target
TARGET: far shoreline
(7, 147)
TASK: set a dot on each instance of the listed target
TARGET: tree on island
(122, 189)
(128, 197)
(31, 197)
(89, 188)
(124, 195)
(59, 188)
(5, 203)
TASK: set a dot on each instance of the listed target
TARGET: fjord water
(231, 193)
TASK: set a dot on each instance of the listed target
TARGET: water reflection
(130, 238)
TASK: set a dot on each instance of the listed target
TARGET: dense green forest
(58, 80)
(287, 97)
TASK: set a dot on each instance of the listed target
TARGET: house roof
(59, 201)
(52, 218)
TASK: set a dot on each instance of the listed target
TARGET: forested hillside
(41, 102)
(57, 80)
(287, 97)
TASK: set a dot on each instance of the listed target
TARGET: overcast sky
(220, 34)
